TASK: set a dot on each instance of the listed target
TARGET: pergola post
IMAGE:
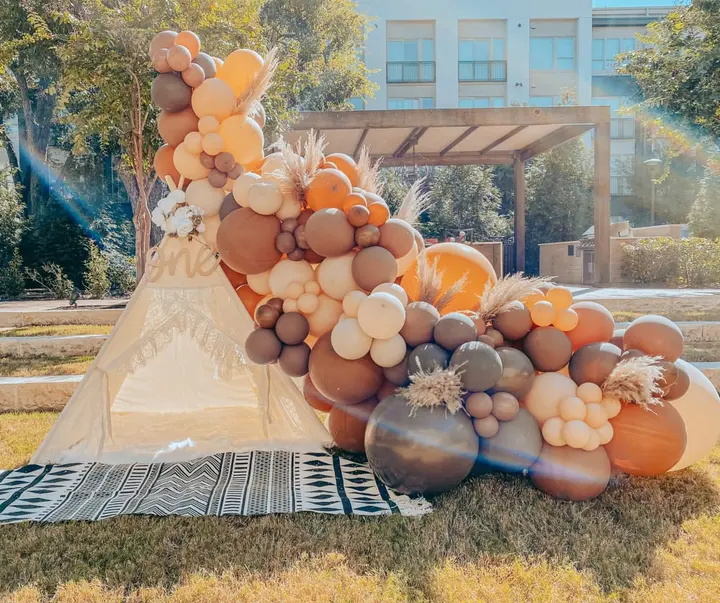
(519, 182)
(602, 203)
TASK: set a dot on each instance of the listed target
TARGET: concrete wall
(555, 261)
(493, 252)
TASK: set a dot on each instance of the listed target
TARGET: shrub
(96, 278)
(11, 227)
(12, 279)
(121, 272)
(53, 279)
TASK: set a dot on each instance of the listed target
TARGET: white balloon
(260, 283)
(351, 302)
(308, 303)
(325, 317)
(286, 272)
(335, 276)
(700, 411)
(349, 341)
(290, 208)
(272, 163)
(388, 352)
(381, 315)
(242, 186)
(393, 289)
(205, 196)
(264, 198)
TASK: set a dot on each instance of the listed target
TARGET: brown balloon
(593, 363)
(208, 66)
(294, 359)
(224, 161)
(387, 389)
(159, 61)
(165, 39)
(367, 236)
(276, 303)
(207, 160)
(236, 171)
(548, 348)
(228, 206)
(262, 346)
(297, 254)
(681, 385)
(373, 266)
(236, 279)
(193, 76)
(340, 380)
(627, 354)
(646, 442)
(179, 57)
(170, 93)
(515, 446)
(518, 372)
(174, 127)
(292, 328)
(312, 257)
(398, 375)
(358, 215)
(347, 424)
(397, 237)
(300, 238)
(328, 233)
(289, 225)
(595, 324)
(314, 398)
(304, 216)
(656, 336)
(478, 365)
(420, 321)
(515, 322)
(246, 241)
(217, 178)
(618, 338)
(285, 243)
(454, 329)
(266, 316)
(570, 473)
(163, 164)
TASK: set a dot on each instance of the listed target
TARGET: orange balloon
(188, 164)
(327, 165)
(213, 97)
(533, 297)
(243, 139)
(163, 163)
(249, 298)
(314, 398)
(174, 127)
(560, 297)
(189, 40)
(353, 199)
(329, 188)
(239, 69)
(595, 324)
(236, 279)
(454, 260)
(566, 320)
(346, 165)
(646, 442)
(379, 213)
(543, 313)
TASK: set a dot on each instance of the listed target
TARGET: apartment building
(429, 54)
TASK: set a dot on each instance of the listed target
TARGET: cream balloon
(381, 315)
(294, 290)
(548, 389)
(285, 273)
(593, 442)
(188, 164)
(349, 341)
(552, 431)
(213, 97)
(308, 303)
(576, 434)
(264, 198)
(205, 196)
(241, 188)
(351, 302)
(260, 283)
(290, 208)
(393, 289)
(290, 305)
(273, 163)
(209, 235)
(325, 317)
(334, 276)
(572, 409)
(589, 392)
(606, 433)
(407, 260)
(312, 287)
(611, 406)
(699, 408)
(596, 415)
(388, 352)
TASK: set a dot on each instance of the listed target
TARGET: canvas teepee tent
(172, 383)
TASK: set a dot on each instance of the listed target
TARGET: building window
(621, 169)
(411, 60)
(481, 102)
(411, 103)
(482, 60)
(620, 127)
(552, 53)
(571, 251)
(604, 51)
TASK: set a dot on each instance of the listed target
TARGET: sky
(633, 3)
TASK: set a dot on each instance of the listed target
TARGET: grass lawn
(57, 330)
(39, 366)
(494, 538)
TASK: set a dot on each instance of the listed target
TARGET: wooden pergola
(507, 136)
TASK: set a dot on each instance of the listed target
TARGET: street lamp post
(655, 168)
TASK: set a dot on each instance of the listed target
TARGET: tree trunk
(142, 222)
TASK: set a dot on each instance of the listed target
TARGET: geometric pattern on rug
(248, 483)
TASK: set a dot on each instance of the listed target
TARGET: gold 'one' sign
(202, 263)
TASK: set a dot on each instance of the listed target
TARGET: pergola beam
(601, 202)
(360, 143)
(519, 184)
(502, 139)
(473, 158)
(552, 140)
(412, 139)
(458, 140)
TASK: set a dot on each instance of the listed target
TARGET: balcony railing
(482, 71)
(622, 127)
(399, 72)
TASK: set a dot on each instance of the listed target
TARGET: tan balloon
(285, 273)
(194, 75)
(576, 434)
(349, 341)
(205, 196)
(243, 138)
(552, 431)
(543, 400)
(260, 283)
(325, 317)
(335, 277)
(209, 235)
(165, 39)
(388, 352)
(241, 188)
(174, 127)
(213, 97)
(265, 198)
(178, 57)
(188, 164)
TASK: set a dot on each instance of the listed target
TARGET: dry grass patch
(42, 366)
(21, 434)
(57, 330)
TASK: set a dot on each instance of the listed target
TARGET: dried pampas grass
(499, 297)
(435, 388)
(246, 103)
(414, 204)
(369, 173)
(430, 285)
(635, 381)
(300, 164)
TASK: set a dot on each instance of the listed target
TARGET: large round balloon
(548, 390)
(174, 127)
(170, 93)
(518, 373)
(594, 362)
(478, 365)
(548, 348)
(515, 446)
(340, 380)
(595, 324)
(329, 233)
(314, 398)
(246, 241)
(656, 336)
(335, 278)
(570, 473)
(420, 321)
(347, 424)
(163, 164)
(419, 450)
(646, 441)
(213, 97)
(454, 260)
(239, 69)
(243, 138)
(699, 409)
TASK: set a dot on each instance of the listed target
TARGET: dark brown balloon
(193, 76)
(454, 329)
(387, 389)
(680, 387)
(314, 398)
(329, 233)
(262, 346)
(292, 328)
(373, 266)
(312, 257)
(304, 216)
(518, 372)
(205, 61)
(358, 215)
(515, 322)
(236, 279)
(246, 241)
(347, 425)
(224, 161)
(593, 363)
(236, 171)
(297, 254)
(300, 238)
(398, 375)
(340, 380)
(217, 178)
(170, 93)
(548, 348)
(646, 442)
(571, 474)
(397, 237)
(174, 127)
(516, 445)
(285, 243)
(294, 359)
(618, 338)
(207, 160)
(420, 321)
(478, 365)
(656, 336)
(266, 316)
(367, 236)
(228, 206)
(289, 225)
(427, 357)
(276, 303)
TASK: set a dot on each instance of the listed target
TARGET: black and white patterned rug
(251, 483)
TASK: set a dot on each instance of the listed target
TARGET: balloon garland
(424, 360)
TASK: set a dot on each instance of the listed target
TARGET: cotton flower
(184, 225)
(200, 227)
(158, 218)
(171, 225)
(166, 205)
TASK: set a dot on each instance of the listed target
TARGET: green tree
(11, 228)
(559, 198)
(704, 220)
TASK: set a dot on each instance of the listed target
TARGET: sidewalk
(592, 293)
(52, 305)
